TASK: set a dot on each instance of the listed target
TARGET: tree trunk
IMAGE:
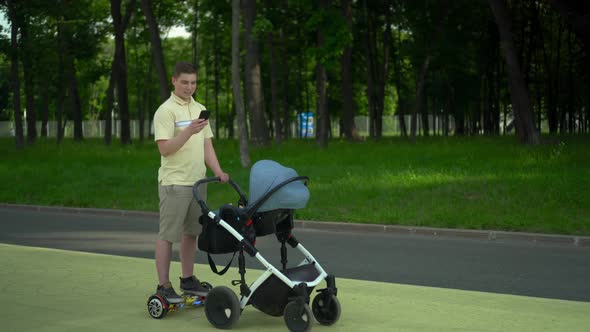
(518, 92)
(556, 84)
(194, 47)
(497, 94)
(29, 85)
(285, 88)
(146, 96)
(552, 116)
(157, 51)
(216, 81)
(44, 111)
(419, 98)
(321, 80)
(15, 80)
(421, 83)
(382, 74)
(274, 87)
(229, 104)
(458, 115)
(571, 87)
(69, 69)
(59, 103)
(120, 73)
(76, 105)
(253, 86)
(236, 86)
(425, 124)
(372, 65)
(108, 110)
(377, 72)
(141, 87)
(322, 109)
(398, 87)
(346, 71)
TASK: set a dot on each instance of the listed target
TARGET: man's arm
(212, 162)
(172, 145)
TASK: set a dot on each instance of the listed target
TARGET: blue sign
(306, 124)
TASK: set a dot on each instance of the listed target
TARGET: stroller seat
(274, 196)
(274, 221)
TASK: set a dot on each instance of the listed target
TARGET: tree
(321, 81)
(119, 70)
(253, 81)
(421, 81)
(236, 86)
(377, 62)
(274, 84)
(519, 95)
(156, 43)
(28, 75)
(346, 70)
(576, 14)
(18, 120)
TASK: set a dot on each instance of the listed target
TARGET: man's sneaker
(192, 285)
(168, 293)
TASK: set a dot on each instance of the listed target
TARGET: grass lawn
(473, 182)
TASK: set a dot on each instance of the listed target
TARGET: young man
(184, 142)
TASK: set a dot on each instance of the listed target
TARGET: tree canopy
(434, 67)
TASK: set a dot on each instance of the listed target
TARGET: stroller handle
(204, 208)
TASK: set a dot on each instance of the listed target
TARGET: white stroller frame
(222, 306)
(270, 269)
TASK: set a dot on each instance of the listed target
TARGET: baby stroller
(275, 192)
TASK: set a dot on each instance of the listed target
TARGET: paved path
(553, 269)
(55, 290)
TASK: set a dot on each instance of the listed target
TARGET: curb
(489, 235)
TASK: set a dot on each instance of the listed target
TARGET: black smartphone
(204, 114)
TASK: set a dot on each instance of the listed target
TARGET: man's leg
(188, 249)
(163, 257)
(189, 284)
(188, 243)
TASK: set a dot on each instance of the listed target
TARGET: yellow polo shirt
(187, 165)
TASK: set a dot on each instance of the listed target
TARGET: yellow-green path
(57, 290)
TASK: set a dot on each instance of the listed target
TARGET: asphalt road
(509, 267)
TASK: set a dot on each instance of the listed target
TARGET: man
(184, 142)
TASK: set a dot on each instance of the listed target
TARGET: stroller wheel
(326, 308)
(222, 307)
(157, 307)
(298, 316)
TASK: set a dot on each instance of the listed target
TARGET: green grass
(474, 183)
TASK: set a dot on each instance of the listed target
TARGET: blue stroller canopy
(267, 174)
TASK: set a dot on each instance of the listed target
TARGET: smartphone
(204, 114)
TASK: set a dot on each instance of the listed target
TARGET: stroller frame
(295, 284)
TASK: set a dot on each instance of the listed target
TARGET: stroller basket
(273, 294)
(214, 239)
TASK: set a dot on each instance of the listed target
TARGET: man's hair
(183, 68)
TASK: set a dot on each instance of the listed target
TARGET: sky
(178, 31)
(4, 24)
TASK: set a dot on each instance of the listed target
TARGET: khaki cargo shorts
(179, 212)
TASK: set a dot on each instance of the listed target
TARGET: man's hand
(197, 125)
(168, 147)
(224, 177)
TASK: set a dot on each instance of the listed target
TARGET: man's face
(185, 85)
